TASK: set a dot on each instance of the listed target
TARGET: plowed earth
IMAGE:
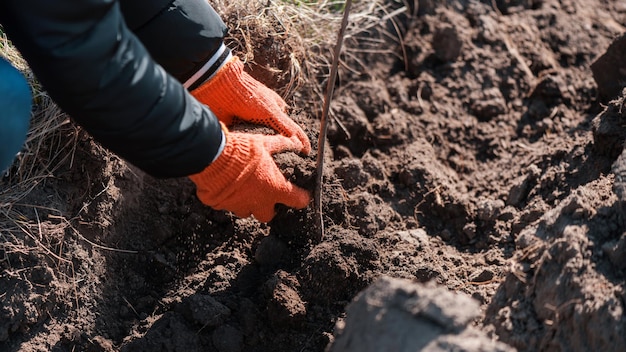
(479, 155)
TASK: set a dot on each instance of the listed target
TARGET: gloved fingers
(289, 195)
(264, 214)
(287, 127)
(279, 190)
(278, 143)
(233, 93)
(285, 192)
(270, 111)
(293, 196)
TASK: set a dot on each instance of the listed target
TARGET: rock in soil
(401, 315)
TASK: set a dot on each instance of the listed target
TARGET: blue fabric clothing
(15, 109)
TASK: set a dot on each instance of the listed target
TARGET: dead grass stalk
(301, 36)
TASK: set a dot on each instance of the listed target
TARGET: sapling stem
(319, 220)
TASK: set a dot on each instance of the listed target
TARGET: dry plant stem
(324, 125)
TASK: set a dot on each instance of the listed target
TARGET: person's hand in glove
(245, 180)
(232, 92)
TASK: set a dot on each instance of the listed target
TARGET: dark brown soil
(479, 157)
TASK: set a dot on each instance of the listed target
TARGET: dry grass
(50, 143)
(298, 37)
(27, 241)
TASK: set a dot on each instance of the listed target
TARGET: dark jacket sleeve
(98, 71)
(181, 35)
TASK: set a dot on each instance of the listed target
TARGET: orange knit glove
(232, 92)
(245, 180)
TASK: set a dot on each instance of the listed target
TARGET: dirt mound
(470, 150)
(399, 315)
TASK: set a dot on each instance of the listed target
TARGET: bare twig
(131, 307)
(324, 124)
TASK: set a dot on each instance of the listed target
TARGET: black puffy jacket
(116, 68)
